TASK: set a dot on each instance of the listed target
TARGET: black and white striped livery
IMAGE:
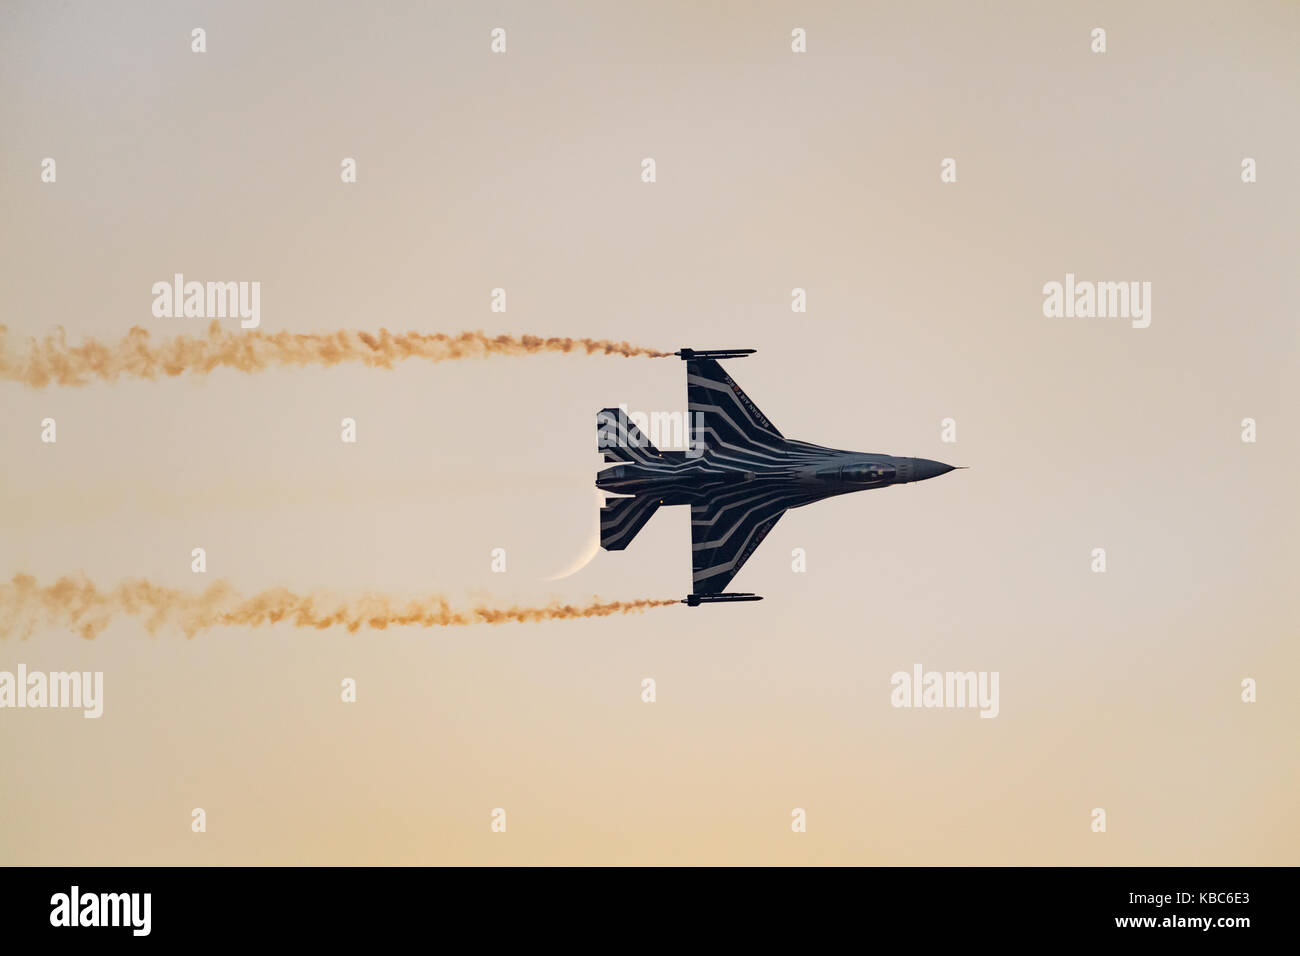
(739, 477)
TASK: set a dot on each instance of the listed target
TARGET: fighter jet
(739, 476)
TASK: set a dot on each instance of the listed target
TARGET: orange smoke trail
(53, 360)
(76, 603)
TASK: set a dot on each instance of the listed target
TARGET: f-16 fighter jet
(739, 476)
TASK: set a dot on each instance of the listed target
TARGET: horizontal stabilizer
(618, 438)
(689, 354)
(695, 600)
(622, 518)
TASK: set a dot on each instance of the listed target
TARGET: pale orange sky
(775, 170)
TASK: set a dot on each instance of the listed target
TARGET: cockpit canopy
(866, 473)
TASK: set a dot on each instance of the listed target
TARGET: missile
(688, 354)
(695, 600)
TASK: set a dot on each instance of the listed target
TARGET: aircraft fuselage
(679, 479)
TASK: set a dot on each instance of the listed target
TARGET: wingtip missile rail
(689, 354)
(695, 600)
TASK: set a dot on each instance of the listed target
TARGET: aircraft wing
(733, 426)
(728, 529)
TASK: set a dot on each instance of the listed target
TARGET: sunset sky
(775, 171)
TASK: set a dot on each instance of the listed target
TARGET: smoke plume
(53, 360)
(76, 603)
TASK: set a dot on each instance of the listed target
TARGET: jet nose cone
(923, 468)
